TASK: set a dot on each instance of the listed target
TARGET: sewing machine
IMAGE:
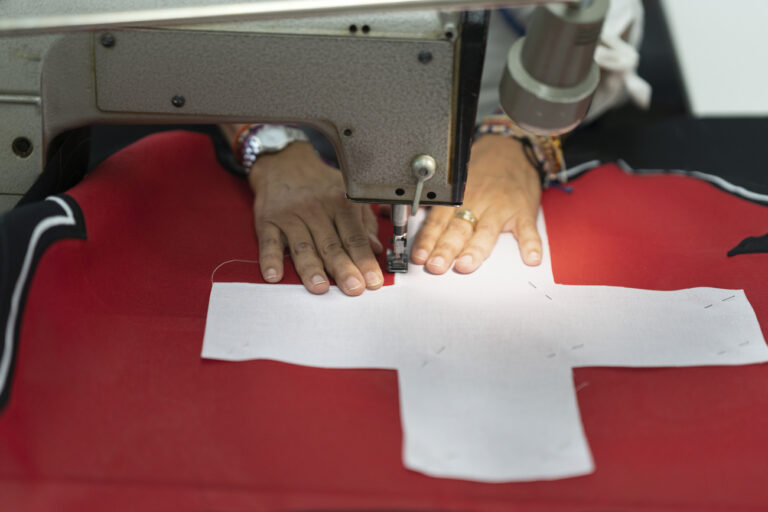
(395, 91)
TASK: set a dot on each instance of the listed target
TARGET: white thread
(43, 226)
(230, 261)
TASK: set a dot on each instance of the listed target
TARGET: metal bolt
(425, 57)
(107, 40)
(178, 101)
(22, 147)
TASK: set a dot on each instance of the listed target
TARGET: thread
(230, 261)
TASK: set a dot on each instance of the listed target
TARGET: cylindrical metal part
(551, 73)
(399, 218)
(51, 16)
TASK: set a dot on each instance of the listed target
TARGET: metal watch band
(251, 146)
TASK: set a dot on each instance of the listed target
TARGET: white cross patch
(484, 361)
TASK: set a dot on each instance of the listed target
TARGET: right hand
(300, 203)
(503, 191)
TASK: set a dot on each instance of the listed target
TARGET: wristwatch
(261, 139)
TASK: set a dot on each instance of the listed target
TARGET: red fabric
(113, 409)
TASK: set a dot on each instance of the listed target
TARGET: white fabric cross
(484, 361)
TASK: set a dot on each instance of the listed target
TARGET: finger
(371, 223)
(357, 242)
(271, 249)
(333, 254)
(481, 244)
(308, 265)
(450, 243)
(434, 225)
(528, 239)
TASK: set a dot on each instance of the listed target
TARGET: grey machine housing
(384, 89)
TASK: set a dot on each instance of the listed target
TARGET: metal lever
(423, 167)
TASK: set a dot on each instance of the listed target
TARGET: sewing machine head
(395, 93)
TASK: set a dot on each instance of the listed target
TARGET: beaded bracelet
(543, 152)
(240, 149)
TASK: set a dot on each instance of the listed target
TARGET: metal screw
(425, 57)
(107, 40)
(22, 147)
(450, 30)
(178, 101)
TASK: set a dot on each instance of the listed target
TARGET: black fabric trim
(66, 164)
(751, 245)
(17, 229)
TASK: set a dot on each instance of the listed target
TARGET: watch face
(273, 138)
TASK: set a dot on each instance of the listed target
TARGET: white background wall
(722, 48)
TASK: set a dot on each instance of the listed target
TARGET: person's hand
(300, 203)
(503, 192)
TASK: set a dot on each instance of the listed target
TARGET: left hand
(503, 192)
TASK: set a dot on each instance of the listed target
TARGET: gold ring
(467, 215)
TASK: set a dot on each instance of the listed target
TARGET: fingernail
(437, 261)
(352, 283)
(270, 274)
(421, 254)
(317, 280)
(534, 257)
(372, 278)
(465, 261)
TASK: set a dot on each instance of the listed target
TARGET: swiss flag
(113, 408)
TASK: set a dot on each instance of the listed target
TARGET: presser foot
(397, 263)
